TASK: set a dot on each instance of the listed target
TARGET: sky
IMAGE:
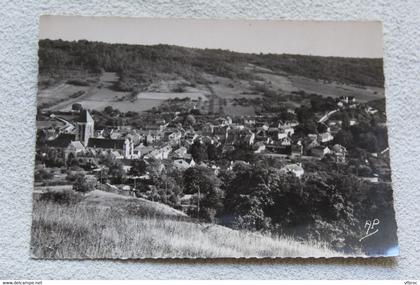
(323, 38)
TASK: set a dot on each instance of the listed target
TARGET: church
(83, 141)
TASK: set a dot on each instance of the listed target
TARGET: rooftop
(106, 143)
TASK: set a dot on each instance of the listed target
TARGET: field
(290, 83)
(170, 95)
(104, 225)
(218, 77)
(99, 95)
(59, 93)
(218, 94)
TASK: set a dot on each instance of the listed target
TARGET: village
(118, 158)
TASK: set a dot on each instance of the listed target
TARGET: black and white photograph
(183, 138)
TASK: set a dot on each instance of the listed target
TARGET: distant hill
(140, 65)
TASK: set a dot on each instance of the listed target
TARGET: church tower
(85, 127)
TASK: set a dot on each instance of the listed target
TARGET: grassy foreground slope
(104, 225)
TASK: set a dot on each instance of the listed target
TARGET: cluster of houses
(78, 140)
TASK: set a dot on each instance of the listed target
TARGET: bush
(42, 175)
(82, 185)
(64, 197)
(77, 107)
(77, 82)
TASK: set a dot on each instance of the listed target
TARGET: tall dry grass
(85, 231)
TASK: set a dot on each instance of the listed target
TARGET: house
(67, 128)
(259, 147)
(135, 137)
(320, 151)
(116, 155)
(104, 133)
(231, 138)
(279, 149)
(76, 148)
(158, 152)
(347, 99)
(371, 110)
(288, 130)
(216, 169)
(124, 146)
(286, 141)
(140, 150)
(296, 150)
(153, 136)
(50, 133)
(332, 123)
(221, 131)
(208, 140)
(273, 133)
(190, 137)
(249, 121)
(115, 134)
(223, 121)
(238, 127)
(61, 141)
(280, 134)
(228, 148)
(325, 137)
(340, 153)
(160, 122)
(249, 138)
(99, 133)
(207, 129)
(182, 164)
(186, 199)
(311, 141)
(262, 126)
(373, 179)
(86, 160)
(181, 152)
(173, 137)
(236, 163)
(68, 146)
(295, 168)
(288, 124)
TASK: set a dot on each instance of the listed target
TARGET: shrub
(77, 82)
(42, 175)
(77, 107)
(64, 197)
(82, 185)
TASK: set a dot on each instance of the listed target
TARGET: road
(327, 116)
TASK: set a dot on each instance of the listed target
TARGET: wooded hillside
(141, 64)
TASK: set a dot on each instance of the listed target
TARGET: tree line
(139, 65)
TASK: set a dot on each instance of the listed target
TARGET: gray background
(18, 76)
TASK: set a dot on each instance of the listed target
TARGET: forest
(139, 65)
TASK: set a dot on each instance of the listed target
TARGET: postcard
(187, 138)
